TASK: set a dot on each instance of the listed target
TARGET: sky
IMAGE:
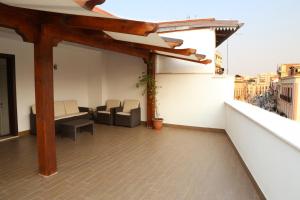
(270, 36)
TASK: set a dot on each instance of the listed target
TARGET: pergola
(46, 29)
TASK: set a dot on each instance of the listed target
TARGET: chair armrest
(135, 118)
(136, 111)
(101, 108)
(114, 110)
(119, 109)
(84, 109)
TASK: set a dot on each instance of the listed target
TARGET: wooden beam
(44, 98)
(172, 42)
(205, 62)
(100, 38)
(184, 52)
(111, 24)
(101, 41)
(21, 23)
(151, 70)
(85, 22)
(200, 56)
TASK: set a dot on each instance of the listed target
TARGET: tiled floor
(122, 163)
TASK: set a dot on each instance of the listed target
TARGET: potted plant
(150, 87)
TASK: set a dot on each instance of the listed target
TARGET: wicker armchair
(129, 115)
(105, 114)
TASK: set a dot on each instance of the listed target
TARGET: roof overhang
(224, 28)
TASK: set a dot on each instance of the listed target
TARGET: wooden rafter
(97, 41)
(185, 52)
(201, 61)
(23, 23)
(112, 24)
(172, 42)
(101, 40)
(84, 22)
(23, 27)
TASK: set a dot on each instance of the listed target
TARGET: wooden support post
(44, 98)
(151, 70)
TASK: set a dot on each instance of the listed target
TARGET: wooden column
(151, 70)
(44, 98)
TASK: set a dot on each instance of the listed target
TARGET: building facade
(219, 63)
(288, 104)
(247, 88)
(240, 88)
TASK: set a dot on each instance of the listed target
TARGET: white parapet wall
(270, 147)
(194, 99)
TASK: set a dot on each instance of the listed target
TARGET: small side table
(70, 128)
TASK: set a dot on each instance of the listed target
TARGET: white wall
(77, 76)
(24, 76)
(204, 40)
(270, 147)
(122, 74)
(194, 99)
(184, 99)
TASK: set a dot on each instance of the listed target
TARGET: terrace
(210, 148)
(118, 163)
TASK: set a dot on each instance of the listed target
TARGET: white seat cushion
(103, 112)
(71, 107)
(112, 104)
(123, 113)
(70, 115)
(59, 108)
(129, 105)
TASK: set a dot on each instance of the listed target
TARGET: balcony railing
(270, 147)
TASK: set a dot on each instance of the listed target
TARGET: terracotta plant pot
(157, 123)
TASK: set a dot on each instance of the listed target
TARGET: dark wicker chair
(105, 114)
(129, 115)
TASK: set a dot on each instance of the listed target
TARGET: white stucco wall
(24, 77)
(77, 76)
(270, 147)
(194, 99)
(122, 72)
(203, 40)
(191, 94)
